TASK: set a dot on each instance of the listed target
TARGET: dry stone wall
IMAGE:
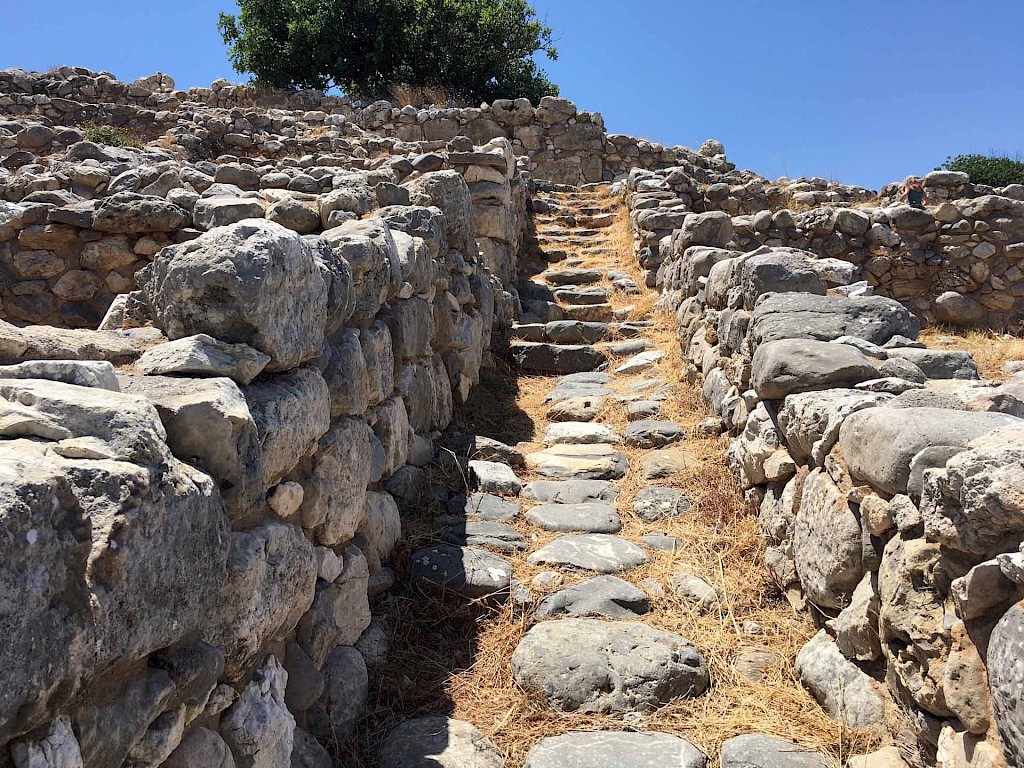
(201, 497)
(958, 262)
(886, 477)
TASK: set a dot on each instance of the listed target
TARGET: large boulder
(1006, 678)
(879, 444)
(809, 422)
(209, 424)
(132, 214)
(825, 318)
(254, 282)
(448, 191)
(975, 503)
(778, 271)
(849, 695)
(94, 502)
(827, 543)
(783, 367)
(370, 251)
(608, 667)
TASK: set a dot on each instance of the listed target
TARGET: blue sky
(864, 92)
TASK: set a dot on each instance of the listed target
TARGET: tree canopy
(472, 49)
(991, 170)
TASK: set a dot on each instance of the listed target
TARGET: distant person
(913, 190)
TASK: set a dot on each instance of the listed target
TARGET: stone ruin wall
(209, 488)
(886, 476)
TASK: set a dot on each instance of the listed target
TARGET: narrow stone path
(621, 583)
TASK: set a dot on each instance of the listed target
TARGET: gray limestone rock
(255, 283)
(471, 573)
(824, 318)
(570, 491)
(202, 355)
(579, 433)
(495, 478)
(610, 749)
(755, 750)
(555, 358)
(846, 693)
(608, 667)
(653, 504)
(940, 364)
(780, 368)
(653, 434)
(598, 552)
(81, 373)
(588, 462)
(437, 742)
(1006, 678)
(600, 596)
(588, 517)
(880, 443)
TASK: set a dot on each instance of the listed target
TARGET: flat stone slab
(597, 552)
(588, 517)
(571, 391)
(572, 276)
(663, 542)
(594, 666)
(584, 462)
(484, 533)
(579, 433)
(471, 573)
(669, 462)
(486, 506)
(492, 477)
(653, 434)
(437, 742)
(573, 294)
(754, 750)
(556, 358)
(612, 749)
(631, 347)
(653, 504)
(640, 363)
(575, 332)
(607, 596)
(577, 409)
(639, 410)
(203, 355)
(569, 491)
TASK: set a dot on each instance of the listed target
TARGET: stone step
(472, 573)
(569, 491)
(484, 533)
(588, 517)
(599, 552)
(626, 750)
(589, 313)
(607, 596)
(572, 276)
(599, 461)
(640, 363)
(556, 358)
(653, 434)
(574, 294)
(592, 384)
(580, 433)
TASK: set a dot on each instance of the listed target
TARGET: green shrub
(111, 135)
(991, 170)
(472, 49)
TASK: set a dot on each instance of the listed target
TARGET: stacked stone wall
(885, 476)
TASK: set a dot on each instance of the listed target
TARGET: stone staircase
(575, 528)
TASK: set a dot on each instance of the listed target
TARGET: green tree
(991, 170)
(472, 49)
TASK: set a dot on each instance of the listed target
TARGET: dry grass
(991, 350)
(411, 96)
(452, 658)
